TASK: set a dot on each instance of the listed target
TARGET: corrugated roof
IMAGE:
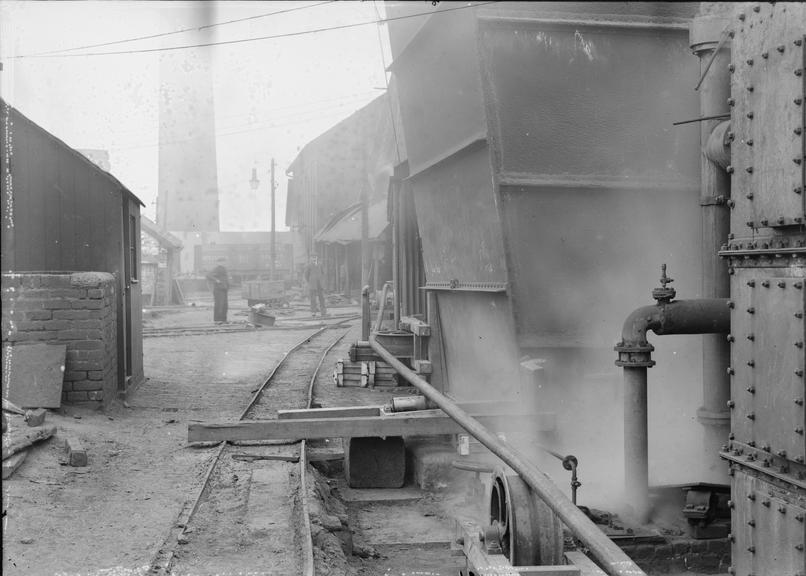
(345, 227)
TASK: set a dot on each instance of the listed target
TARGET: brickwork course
(74, 309)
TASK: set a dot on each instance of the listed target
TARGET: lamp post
(254, 182)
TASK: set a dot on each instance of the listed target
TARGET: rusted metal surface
(767, 258)
(767, 90)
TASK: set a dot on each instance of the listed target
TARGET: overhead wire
(256, 38)
(181, 31)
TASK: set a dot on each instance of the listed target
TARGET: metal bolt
(731, 67)
(799, 459)
(749, 61)
(731, 538)
(731, 436)
(782, 509)
(751, 549)
(751, 310)
(751, 416)
(781, 220)
(751, 389)
(780, 48)
(731, 505)
(750, 140)
(799, 72)
(799, 547)
(798, 101)
(731, 338)
(749, 87)
(729, 169)
(731, 403)
(799, 517)
(799, 430)
(751, 337)
(797, 160)
(781, 453)
(751, 497)
(751, 363)
(752, 443)
(749, 224)
(750, 114)
(766, 447)
(765, 503)
(799, 344)
(766, 463)
(764, 222)
(749, 169)
(799, 401)
(799, 315)
(731, 304)
(799, 373)
(781, 284)
(766, 283)
(797, 190)
(798, 285)
(731, 102)
(798, 130)
(756, 8)
(798, 42)
(765, 55)
(751, 283)
(741, 16)
(751, 523)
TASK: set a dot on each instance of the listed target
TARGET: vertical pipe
(365, 320)
(393, 198)
(706, 33)
(273, 233)
(636, 450)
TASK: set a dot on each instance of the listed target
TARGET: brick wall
(75, 309)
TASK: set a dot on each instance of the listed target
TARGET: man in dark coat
(220, 281)
(316, 286)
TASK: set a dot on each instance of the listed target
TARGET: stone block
(76, 454)
(38, 314)
(35, 417)
(375, 462)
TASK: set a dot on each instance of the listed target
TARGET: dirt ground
(111, 516)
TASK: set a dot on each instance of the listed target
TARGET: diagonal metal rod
(724, 116)
(612, 558)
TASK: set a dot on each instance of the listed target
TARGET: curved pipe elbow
(699, 316)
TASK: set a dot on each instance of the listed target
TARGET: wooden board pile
(16, 439)
(364, 374)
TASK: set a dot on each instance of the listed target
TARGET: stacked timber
(364, 374)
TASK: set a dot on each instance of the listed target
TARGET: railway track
(230, 518)
(211, 330)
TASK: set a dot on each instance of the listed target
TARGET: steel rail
(611, 557)
(308, 561)
(163, 558)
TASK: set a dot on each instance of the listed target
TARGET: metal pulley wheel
(529, 532)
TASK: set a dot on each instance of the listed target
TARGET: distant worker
(316, 286)
(220, 281)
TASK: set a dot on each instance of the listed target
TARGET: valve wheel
(530, 533)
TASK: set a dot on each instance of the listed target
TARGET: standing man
(220, 281)
(316, 285)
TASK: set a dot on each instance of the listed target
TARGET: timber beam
(421, 423)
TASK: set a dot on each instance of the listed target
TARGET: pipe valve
(664, 294)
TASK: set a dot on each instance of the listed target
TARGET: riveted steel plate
(766, 528)
(768, 359)
(767, 86)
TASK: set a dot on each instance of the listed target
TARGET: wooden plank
(404, 424)
(12, 463)
(586, 566)
(14, 442)
(344, 412)
(36, 374)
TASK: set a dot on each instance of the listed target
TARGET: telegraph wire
(181, 31)
(257, 38)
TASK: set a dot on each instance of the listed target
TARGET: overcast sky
(271, 96)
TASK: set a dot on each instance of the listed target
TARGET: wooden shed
(62, 213)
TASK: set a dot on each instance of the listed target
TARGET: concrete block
(76, 455)
(375, 462)
(35, 417)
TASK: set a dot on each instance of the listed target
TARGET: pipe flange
(635, 355)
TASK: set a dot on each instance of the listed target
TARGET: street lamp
(254, 182)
